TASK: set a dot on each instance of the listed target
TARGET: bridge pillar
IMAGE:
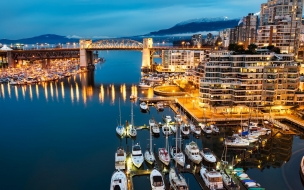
(46, 63)
(146, 54)
(85, 56)
(10, 60)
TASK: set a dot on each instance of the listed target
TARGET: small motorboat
(302, 168)
(214, 128)
(144, 106)
(178, 119)
(159, 106)
(156, 180)
(137, 156)
(154, 126)
(185, 129)
(208, 155)
(120, 159)
(167, 119)
(207, 129)
(195, 129)
(166, 130)
(119, 181)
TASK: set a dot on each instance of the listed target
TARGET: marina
(100, 96)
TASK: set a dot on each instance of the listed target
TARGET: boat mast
(132, 122)
(150, 140)
(119, 113)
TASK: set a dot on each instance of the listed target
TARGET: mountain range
(183, 28)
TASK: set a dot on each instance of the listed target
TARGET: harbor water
(61, 135)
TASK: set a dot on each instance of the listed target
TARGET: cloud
(74, 36)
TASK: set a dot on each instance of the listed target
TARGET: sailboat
(120, 129)
(163, 154)
(177, 154)
(177, 181)
(132, 131)
(149, 155)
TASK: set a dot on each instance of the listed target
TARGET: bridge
(85, 51)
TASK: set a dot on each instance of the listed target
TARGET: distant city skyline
(95, 18)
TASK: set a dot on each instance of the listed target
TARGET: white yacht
(185, 129)
(177, 181)
(164, 156)
(156, 180)
(207, 129)
(178, 119)
(167, 119)
(166, 129)
(120, 129)
(214, 128)
(119, 181)
(192, 151)
(144, 85)
(131, 129)
(144, 106)
(213, 179)
(236, 141)
(154, 126)
(208, 155)
(149, 154)
(137, 157)
(195, 129)
(120, 159)
(159, 106)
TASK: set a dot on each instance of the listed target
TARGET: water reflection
(62, 90)
(9, 90)
(113, 93)
(56, 91)
(77, 93)
(23, 92)
(37, 91)
(80, 87)
(72, 94)
(2, 91)
(31, 93)
(46, 91)
(16, 92)
(101, 94)
(52, 93)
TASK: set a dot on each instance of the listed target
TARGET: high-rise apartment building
(181, 60)
(280, 24)
(197, 40)
(254, 80)
(245, 33)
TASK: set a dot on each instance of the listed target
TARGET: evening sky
(113, 18)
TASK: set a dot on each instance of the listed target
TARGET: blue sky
(112, 18)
